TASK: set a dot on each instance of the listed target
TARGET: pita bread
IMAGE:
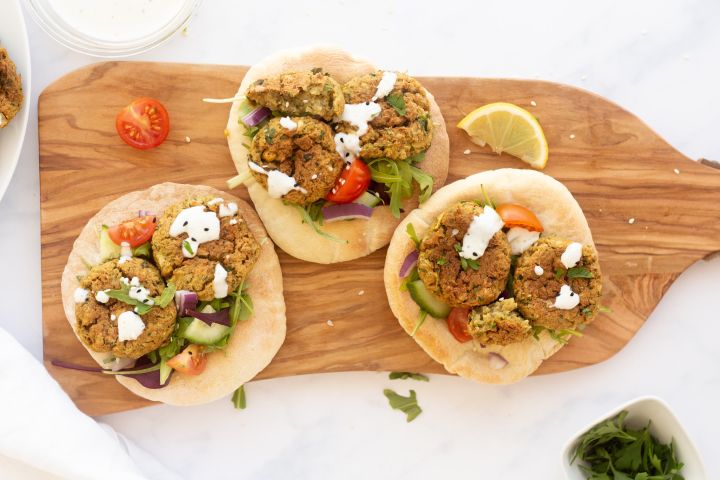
(284, 223)
(254, 342)
(559, 213)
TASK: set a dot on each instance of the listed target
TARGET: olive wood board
(649, 221)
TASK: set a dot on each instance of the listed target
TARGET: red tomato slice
(353, 181)
(458, 324)
(143, 124)
(135, 232)
(518, 216)
(191, 361)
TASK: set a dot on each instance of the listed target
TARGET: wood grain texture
(616, 167)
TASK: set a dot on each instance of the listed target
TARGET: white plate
(13, 36)
(665, 427)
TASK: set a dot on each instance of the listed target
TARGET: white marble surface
(658, 59)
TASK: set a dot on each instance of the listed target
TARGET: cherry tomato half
(191, 361)
(458, 324)
(518, 216)
(353, 181)
(135, 232)
(143, 124)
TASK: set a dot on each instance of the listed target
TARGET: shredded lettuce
(398, 177)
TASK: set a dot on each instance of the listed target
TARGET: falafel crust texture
(254, 342)
(559, 214)
(283, 223)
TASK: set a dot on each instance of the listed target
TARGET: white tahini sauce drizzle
(102, 296)
(125, 250)
(520, 239)
(538, 270)
(481, 230)
(229, 210)
(359, 115)
(215, 201)
(80, 295)
(139, 293)
(123, 259)
(288, 123)
(572, 254)
(130, 326)
(566, 299)
(279, 184)
(200, 226)
(220, 285)
(233, 221)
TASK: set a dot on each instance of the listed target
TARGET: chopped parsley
(424, 123)
(238, 398)
(421, 320)
(397, 101)
(408, 375)
(407, 405)
(413, 236)
(441, 261)
(187, 247)
(579, 272)
(270, 135)
(559, 273)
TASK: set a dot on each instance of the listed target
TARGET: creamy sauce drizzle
(288, 123)
(481, 230)
(520, 239)
(229, 210)
(566, 299)
(215, 201)
(102, 296)
(80, 295)
(359, 115)
(538, 270)
(139, 293)
(572, 254)
(220, 285)
(279, 184)
(125, 250)
(130, 326)
(201, 226)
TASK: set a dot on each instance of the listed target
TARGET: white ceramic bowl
(665, 427)
(13, 36)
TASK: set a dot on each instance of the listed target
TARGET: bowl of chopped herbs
(641, 440)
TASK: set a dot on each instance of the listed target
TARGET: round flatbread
(254, 342)
(284, 223)
(559, 214)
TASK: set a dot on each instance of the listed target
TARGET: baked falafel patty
(399, 131)
(299, 93)
(11, 92)
(306, 153)
(447, 279)
(498, 323)
(97, 323)
(236, 251)
(535, 294)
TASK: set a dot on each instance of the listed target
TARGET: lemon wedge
(510, 129)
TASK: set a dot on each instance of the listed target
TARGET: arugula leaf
(397, 101)
(398, 178)
(421, 320)
(579, 272)
(167, 296)
(250, 132)
(238, 398)
(611, 450)
(411, 277)
(410, 229)
(560, 336)
(559, 273)
(407, 405)
(441, 261)
(241, 307)
(187, 247)
(306, 218)
(315, 211)
(406, 375)
(142, 251)
(488, 201)
(270, 135)
(424, 123)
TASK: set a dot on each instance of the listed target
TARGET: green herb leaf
(398, 178)
(559, 273)
(561, 336)
(407, 405)
(410, 229)
(441, 261)
(187, 247)
(167, 296)
(424, 123)
(421, 320)
(605, 309)
(270, 135)
(238, 398)
(408, 375)
(579, 272)
(241, 307)
(488, 201)
(458, 247)
(397, 101)
(463, 263)
(425, 183)
(250, 132)
(472, 263)
(411, 277)
(142, 251)
(328, 88)
(306, 218)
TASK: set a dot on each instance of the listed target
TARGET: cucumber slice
(427, 301)
(368, 199)
(108, 248)
(203, 334)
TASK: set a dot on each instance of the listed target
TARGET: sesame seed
(533, 103)
(631, 221)
(342, 140)
(185, 223)
(330, 323)
(466, 151)
(187, 139)
(207, 229)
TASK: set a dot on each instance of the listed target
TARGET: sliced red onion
(346, 211)
(147, 379)
(496, 361)
(185, 300)
(222, 317)
(409, 263)
(256, 116)
(145, 213)
(74, 366)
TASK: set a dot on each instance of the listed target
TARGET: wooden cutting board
(653, 212)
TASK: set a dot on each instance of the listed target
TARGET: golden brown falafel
(498, 324)
(11, 91)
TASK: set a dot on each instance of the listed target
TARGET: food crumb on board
(631, 221)
(226, 133)
(677, 172)
(533, 103)
(187, 139)
(361, 292)
(572, 136)
(330, 323)
(466, 152)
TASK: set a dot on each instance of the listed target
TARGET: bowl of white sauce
(112, 28)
